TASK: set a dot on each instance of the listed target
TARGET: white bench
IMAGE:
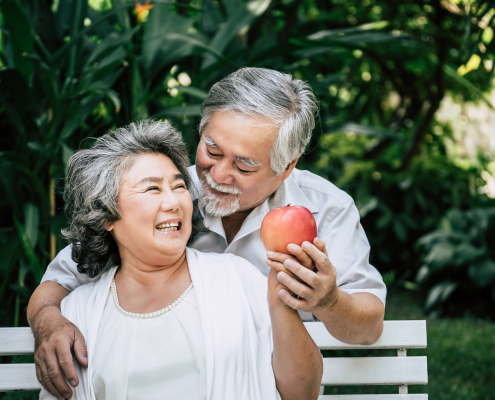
(339, 371)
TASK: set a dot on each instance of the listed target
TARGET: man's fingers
(319, 257)
(302, 274)
(57, 377)
(320, 245)
(301, 255)
(296, 287)
(291, 301)
(80, 349)
(280, 257)
(47, 383)
(281, 268)
(67, 366)
(38, 373)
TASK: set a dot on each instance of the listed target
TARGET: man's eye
(212, 154)
(242, 171)
(152, 188)
(181, 186)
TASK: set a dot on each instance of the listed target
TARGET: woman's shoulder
(83, 293)
(225, 261)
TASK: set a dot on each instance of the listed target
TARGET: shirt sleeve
(348, 250)
(63, 270)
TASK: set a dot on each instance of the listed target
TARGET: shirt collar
(288, 192)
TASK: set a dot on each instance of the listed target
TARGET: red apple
(285, 225)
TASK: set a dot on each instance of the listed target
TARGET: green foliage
(460, 262)
(72, 70)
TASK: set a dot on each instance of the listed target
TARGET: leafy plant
(72, 70)
(459, 265)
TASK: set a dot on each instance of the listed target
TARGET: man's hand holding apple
(313, 277)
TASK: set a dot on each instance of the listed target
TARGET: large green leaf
(194, 92)
(190, 110)
(349, 31)
(483, 272)
(158, 46)
(20, 35)
(232, 6)
(439, 293)
(29, 252)
(237, 24)
(79, 114)
(468, 85)
(109, 45)
(467, 253)
(440, 256)
(31, 222)
(211, 16)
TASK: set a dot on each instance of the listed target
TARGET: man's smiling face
(233, 163)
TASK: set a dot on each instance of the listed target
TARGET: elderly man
(255, 125)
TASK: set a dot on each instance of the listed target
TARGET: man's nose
(221, 172)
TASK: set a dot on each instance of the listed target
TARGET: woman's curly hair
(92, 186)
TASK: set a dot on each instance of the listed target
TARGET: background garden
(406, 126)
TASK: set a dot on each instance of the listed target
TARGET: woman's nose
(170, 203)
(221, 173)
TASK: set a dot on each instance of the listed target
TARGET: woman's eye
(181, 186)
(152, 188)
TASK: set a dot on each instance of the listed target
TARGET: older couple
(255, 124)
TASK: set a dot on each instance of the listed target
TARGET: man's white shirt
(337, 219)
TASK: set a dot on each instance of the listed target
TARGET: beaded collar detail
(149, 315)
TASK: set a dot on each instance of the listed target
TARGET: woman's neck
(150, 275)
(144, 288)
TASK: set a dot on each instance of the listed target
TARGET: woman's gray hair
(92, 186)
(259, 92)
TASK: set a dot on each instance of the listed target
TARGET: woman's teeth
(173, 226)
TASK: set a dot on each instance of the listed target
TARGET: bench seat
(337, 371)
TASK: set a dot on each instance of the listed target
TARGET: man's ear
(289, 169)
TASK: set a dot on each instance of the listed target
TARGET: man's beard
(214, 205)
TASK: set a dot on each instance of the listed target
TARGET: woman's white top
(159, 357)
(234, 321)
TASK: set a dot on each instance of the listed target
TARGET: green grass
(461, 357)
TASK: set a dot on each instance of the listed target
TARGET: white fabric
(338, 224)
(238, 349)
(163, 357)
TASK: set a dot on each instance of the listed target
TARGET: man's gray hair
(258, 92)
(92, 186)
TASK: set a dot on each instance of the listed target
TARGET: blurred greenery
(72, 70)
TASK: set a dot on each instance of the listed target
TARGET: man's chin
(217, 209)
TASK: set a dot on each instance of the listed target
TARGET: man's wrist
(43, 313)
(331, 305)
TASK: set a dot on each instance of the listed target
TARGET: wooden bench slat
(16, 341)
(375, 371)
(396, 334)
(337, 371)
(375, 397)
(18, 377)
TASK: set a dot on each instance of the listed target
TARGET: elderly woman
(163, 321)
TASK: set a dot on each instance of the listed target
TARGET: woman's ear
(109, 227)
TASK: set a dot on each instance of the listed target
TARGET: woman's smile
(171, 226)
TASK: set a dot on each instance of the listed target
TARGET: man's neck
(232, 223)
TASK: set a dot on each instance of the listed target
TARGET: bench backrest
(400, 370)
